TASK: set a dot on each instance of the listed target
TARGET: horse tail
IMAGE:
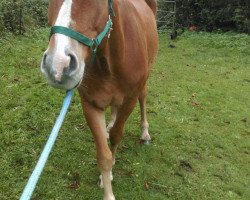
(153, 5)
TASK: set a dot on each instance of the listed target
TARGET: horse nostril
(72, 63)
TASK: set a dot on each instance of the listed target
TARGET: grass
(198, 109)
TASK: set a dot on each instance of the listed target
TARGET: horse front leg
(96, 121)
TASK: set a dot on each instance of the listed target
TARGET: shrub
(213, 14)
(17, 16)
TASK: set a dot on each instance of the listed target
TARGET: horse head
(65, 59)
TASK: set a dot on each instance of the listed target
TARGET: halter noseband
(92, 43)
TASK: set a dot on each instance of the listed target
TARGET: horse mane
(153, 5)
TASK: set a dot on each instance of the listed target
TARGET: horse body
(123, 65)
(118, 75)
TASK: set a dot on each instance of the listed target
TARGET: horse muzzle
(62, 70)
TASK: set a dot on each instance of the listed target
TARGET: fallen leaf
(195, 103)
(147, 186)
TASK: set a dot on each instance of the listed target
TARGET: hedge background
(210, 15)
(17, 16)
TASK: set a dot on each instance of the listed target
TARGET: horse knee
(105, 161)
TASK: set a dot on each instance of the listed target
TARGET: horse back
(153, 5)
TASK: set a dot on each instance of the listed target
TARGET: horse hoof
(146, 142)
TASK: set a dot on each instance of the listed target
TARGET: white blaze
(62, 41)
(63, 19)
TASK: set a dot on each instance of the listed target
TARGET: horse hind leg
(116, 132)
(145, 137)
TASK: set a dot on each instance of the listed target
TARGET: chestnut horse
(109, 70)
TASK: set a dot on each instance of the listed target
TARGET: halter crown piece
(92, 43)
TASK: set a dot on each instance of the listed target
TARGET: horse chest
(101, 94)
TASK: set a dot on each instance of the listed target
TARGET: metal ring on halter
(94, 46)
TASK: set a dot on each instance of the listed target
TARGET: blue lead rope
(27, 192)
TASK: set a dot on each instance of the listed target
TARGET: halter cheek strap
(111, 10)
(92, 43)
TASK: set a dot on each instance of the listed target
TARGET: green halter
(92, 43)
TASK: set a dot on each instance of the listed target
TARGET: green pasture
(199, 115)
